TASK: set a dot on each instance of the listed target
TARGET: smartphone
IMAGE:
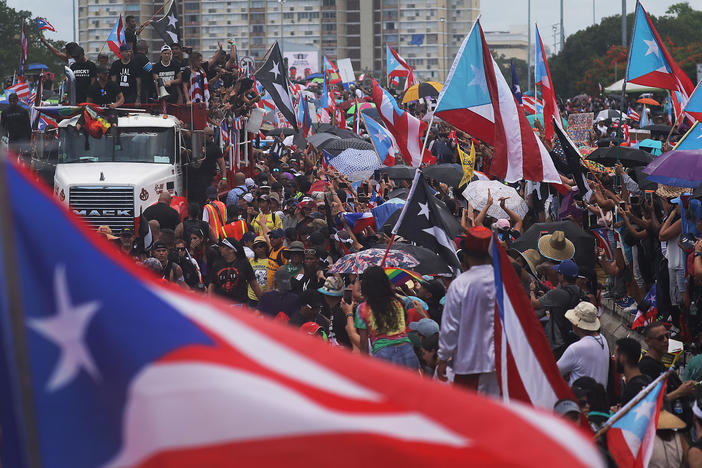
(648, 195)
(347, 296)
(635, 200)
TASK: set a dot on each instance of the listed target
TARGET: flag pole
(431, 122)
(392, 239)
(400, 218)
(625, 410)
(24, 404)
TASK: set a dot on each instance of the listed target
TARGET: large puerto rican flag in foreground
(126, 371)
(477, 99)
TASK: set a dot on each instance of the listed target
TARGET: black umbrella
(629, 157)
(657, 128)
(399, 193)
(318, 139)
(345, 143)
(450, 174)
(429, 262)
(373, 113)
(397, 172)
(583, 241)
(642, 179)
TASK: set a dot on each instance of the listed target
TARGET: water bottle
(677, 407)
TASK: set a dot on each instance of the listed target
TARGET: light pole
(74, 21)
(281, 3)
(443, 47)
(562, 31)
(529, 44)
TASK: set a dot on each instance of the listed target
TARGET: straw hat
(668, 191)
(556, 247)
(668, 420)
(584, 316)
(531, 257)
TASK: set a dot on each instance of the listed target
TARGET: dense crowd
(268, 239)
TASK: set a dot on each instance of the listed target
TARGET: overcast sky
(496, 14)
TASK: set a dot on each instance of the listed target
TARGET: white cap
(165, 47)
(249, 182)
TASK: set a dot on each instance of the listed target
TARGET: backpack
(558, 328)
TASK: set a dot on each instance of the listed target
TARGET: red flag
(543, 79)
(24, 49)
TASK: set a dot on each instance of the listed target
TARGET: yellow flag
(467, 162)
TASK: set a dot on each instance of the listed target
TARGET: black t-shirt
(144, 68)
(126, 78)
(168, 73)
(196, 226)
(653, 368)
(166, 216)
(337, 325)
(633, 387)
(130, 37)
(212, 153)
(231, 280)
(104, 96)
(15, 122)
(84, 72)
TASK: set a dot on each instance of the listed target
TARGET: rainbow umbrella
(399, 276)
(362, 105)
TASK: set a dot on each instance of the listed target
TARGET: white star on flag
(380, 136)
(66, 330)
(423, 209)
(477, 81)
(172, 20)
(643, 409)
(652, 48)
(276, 70)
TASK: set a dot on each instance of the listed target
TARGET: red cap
(477, 239)
(310, 328)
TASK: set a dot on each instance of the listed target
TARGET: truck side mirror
(197, 146)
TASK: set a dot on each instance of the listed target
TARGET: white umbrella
(477, 194)
(608, 114)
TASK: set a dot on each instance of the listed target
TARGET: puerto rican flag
(526, 368)
(24, 50)
(407, 130)
(223, 386)
(649, 316)
(44, 25)
(633, 115)
(630, 439)
(116, 38)
(477, 99)
(542, 77)
(532, 105)
(396, 65)
(359, 221)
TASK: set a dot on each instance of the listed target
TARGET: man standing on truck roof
(126, 74)
(14, 123)
(168, 71)
(85, 71)
(105, 92)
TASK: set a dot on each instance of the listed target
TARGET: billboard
(302, 64)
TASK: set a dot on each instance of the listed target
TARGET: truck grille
(110, 206)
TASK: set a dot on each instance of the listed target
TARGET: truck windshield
(141, 145)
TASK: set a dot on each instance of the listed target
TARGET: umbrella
(399, 276)
(426, 89)
(399, 193)
(658, 128)
(583, 241)
(337, 146)
(642, 179)
(398, 172)
(373, 114)
(429, 263)
(450, 174)
(608, 114)
(679, 168)
(358, 262)
(649, 101)
(629, 157)
(477, 192)
(362, 105)
(319, 138)
(533, 117)
(296, 140)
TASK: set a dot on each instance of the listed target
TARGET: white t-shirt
(587, 357)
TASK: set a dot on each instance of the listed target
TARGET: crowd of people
(268, 239)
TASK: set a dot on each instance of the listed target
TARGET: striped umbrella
(426, 89)
(399, 276)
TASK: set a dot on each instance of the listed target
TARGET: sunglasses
(310, 252)
(180, 249)
(260, 246)
(661, 337)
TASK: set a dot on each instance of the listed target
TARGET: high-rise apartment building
(425, 32)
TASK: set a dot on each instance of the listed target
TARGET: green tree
(505, 66)
(10, 32)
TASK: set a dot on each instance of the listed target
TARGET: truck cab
(108, 181)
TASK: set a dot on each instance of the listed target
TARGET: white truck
(109, 180)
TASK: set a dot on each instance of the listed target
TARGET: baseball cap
(425, 327)
(565, 406)
(248, 197)
(126, 232)
(124, 47)
(230, 242)
(276, 234)
(249, 182)
(260, 239)
(165, 47)
(159, 245)
(264, 197)
(282, 279)
(568, 268)
(248, 237)
(211, 192)
(502, 224)
(102, 69)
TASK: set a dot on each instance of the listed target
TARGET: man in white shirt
(589, 356)
(467, 322)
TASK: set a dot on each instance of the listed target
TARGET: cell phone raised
(347, 295)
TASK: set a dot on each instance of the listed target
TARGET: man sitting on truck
(105, 92)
